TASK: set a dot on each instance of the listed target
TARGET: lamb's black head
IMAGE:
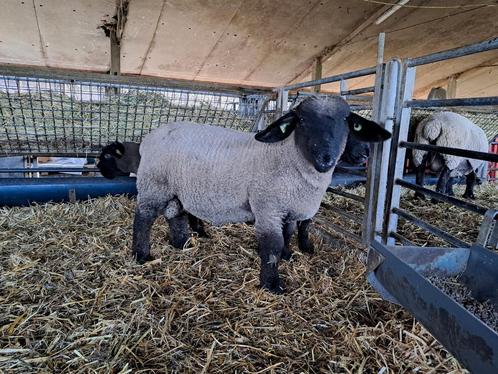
(322, 126)
(356, 151)
(107, 160)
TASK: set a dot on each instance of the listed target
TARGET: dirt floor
(73, 300)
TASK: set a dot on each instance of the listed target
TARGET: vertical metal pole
(378, 167)
(397, 159)
(374, 159)
(282, 101)
(343, 87)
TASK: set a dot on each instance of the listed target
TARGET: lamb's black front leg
(197, 226)
(270, 246)
(419, 176)
(287, 231)
(304, 242)
(470, 182)
(142, 223)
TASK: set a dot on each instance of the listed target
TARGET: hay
(485, 311)
(72, 300)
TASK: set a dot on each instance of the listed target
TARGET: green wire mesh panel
(53, 116)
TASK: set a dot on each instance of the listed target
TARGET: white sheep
(448, 129)
(224, 176)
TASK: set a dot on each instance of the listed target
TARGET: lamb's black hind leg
(420, 176)
(143, 220)
(470, 182)
(178, 230)
(304, 242)
(288, 229)
(449, 186)
(442, 182)
(197, 226)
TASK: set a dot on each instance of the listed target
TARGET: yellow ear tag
(119, 152)
(357, 127)
(283, 127)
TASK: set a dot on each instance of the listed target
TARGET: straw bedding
(72, 300)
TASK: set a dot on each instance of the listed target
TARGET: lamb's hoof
(286, 254)
(419, 195)
(308, 248)
(434, 201)
(202, 234)
(178, 243)
(469, 196)
(142, 259)
(274, 287)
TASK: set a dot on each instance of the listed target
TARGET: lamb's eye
(357, 127)
(301, 119)
(283, 127)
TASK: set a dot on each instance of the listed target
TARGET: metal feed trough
(54, 113)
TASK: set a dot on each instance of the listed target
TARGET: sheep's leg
(178, 230)
(270, 246)
(442, 182)
(197, 226)
(449, 186)
(144, 218)
(287, 230)
(304, 242)
(419, 176)
(470, 181)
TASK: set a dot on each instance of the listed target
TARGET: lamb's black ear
(116, 149)
(366, 130)
(278, 130)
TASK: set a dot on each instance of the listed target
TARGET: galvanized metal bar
(486, 45)
(438, 103)
(334, 78)
(347, 195)
(396, 165)
(430, 228)
(441, 197)
(342, 213)
(351, 171)
(47, 170)
(138, 80)
(402, 239)
(341, 230)
(358, 91)
(491, 157)
(468, 339)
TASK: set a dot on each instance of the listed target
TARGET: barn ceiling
(264, 43)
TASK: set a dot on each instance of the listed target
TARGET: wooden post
(316, 73)
(115, 54)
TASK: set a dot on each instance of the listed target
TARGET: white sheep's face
(322, 127)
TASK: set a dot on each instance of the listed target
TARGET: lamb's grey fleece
(225, 176)
(453, 130)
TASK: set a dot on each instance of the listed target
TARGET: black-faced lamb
(274, 179)
(448, 129)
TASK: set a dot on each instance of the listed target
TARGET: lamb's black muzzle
(324, 162)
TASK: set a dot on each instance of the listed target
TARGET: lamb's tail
(432, 130)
